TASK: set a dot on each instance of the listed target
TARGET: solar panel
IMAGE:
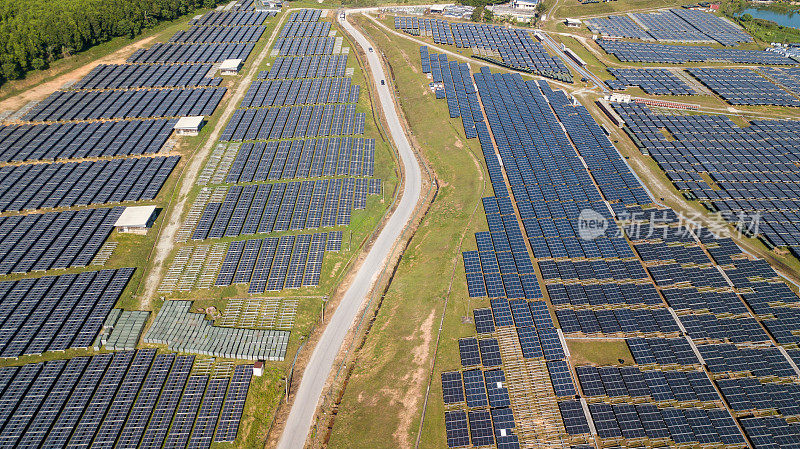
(455, 422)
(452, 387)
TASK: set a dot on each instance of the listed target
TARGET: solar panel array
(651, 81)
(111, 76)
(680, 54)
(269, 93)
(117, 104)
(744, 86)
(689, 296)
(510, 47)
(191, 53)
(459, 90)
(232, 18)
(311, 158)
(293, 122)
(19, 143)
(274, 263)
(107, 400)
(438, 29)
(258, 209)
(35, 186)
(786, 77)
(54, 313)
(206, 34)
(670, 25)
(753, 168)
(306, 67)
(655, 385)
(38, 242)
(125, 398)
(680, 425)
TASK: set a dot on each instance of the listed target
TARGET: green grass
(387, 386)
(572, 8)
(599, 352)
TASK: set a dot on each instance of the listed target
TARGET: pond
(788, 20)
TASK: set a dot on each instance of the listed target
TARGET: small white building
(189, 126)
(269, 5)
(136, 219)
(524, 4)
(230, 67)
(258, 368)
(573, 22)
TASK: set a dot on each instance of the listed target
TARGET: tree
(477, 13)
(488, 15)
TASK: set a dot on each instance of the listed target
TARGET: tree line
(33, 33)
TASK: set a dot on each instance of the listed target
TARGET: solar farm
(670, 25)
(680, 54)
(707, 327)
(182, 220)
(85, 360)
(513, 48)
(745, 87)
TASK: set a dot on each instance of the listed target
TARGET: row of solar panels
(587, 270)
(305, 15)
(125, 76)
(131, 399)
(617, 321)
(305, 29)
(275, 263)
(200, 53)
(217, 34)
(294, 122)
(298, 92)
(259, 209)
(657, 385)
(763, 143)
(744, 87)
(92, 105)
(680, 54)
(634, 294)
(651, 81)
(312, 158)
(305, 46)
(20, 143)
(35, 186)
(325, 66)
(680, 425)
(232, 18)
(39, 242)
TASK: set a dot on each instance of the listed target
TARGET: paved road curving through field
(321, 363)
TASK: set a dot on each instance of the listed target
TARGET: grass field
(392, 371)
(599, 352)
(573, 8)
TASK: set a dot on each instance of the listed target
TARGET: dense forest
(33, 33)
